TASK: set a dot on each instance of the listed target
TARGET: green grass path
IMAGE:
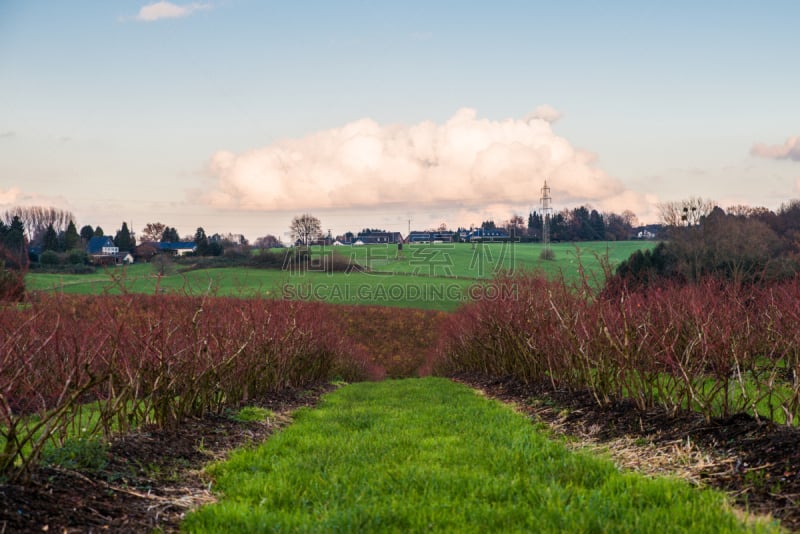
(428, 455)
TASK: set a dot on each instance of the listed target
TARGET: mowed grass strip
(427, 455)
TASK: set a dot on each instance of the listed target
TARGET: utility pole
(547, 213)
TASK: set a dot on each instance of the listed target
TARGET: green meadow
(437, 276)
(430, 455)
(483, 260)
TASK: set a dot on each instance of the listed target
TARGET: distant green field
(421, 276)
(485, 260)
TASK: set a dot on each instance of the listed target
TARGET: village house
(101, 250)
(432, 237)
(488, 235)
(375, 237)
(178, 248)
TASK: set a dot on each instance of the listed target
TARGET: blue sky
(236, 115)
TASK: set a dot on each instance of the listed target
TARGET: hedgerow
(92, 366)
(716, 347)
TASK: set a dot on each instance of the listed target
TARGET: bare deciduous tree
(630, 218)
(305, 228)
(686, 212)
(36, 219)
(152, 232)
(515, 225)
(268, 241)
(739, 210)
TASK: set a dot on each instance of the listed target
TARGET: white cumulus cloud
(790, 149)
(545, 113)
(466, 162)
(168, 10)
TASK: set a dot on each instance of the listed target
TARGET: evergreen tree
(87, 232)
(535, 226)
(123, 239)
(597, 225)
(71, 237)
(50, 240)
(559, 229)
(201, 241)
(15, 236)
(579, 224)
(15, 253)
(170, 235)
(98, 232)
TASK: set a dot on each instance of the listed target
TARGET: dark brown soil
(756, 462)
(152, 479)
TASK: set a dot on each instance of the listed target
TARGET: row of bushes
(70, 257)
(136, 359)
(716, 347)
(399, 342)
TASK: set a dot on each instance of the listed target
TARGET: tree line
(582, 223)
(740, 243)
(49, 235)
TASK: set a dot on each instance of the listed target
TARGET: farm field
(436, 277)
(383, 288)
(174, 346)
(429, 455)
(166, 359)
(484, 260)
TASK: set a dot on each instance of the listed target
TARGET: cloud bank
(790, 149)
(168, 10)
(466, 162)
(9, 196)
(15, 196)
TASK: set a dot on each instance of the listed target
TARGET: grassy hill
(485, 260)
(422, 276)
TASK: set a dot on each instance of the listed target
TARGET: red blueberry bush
(715, 347)
(139, 359)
